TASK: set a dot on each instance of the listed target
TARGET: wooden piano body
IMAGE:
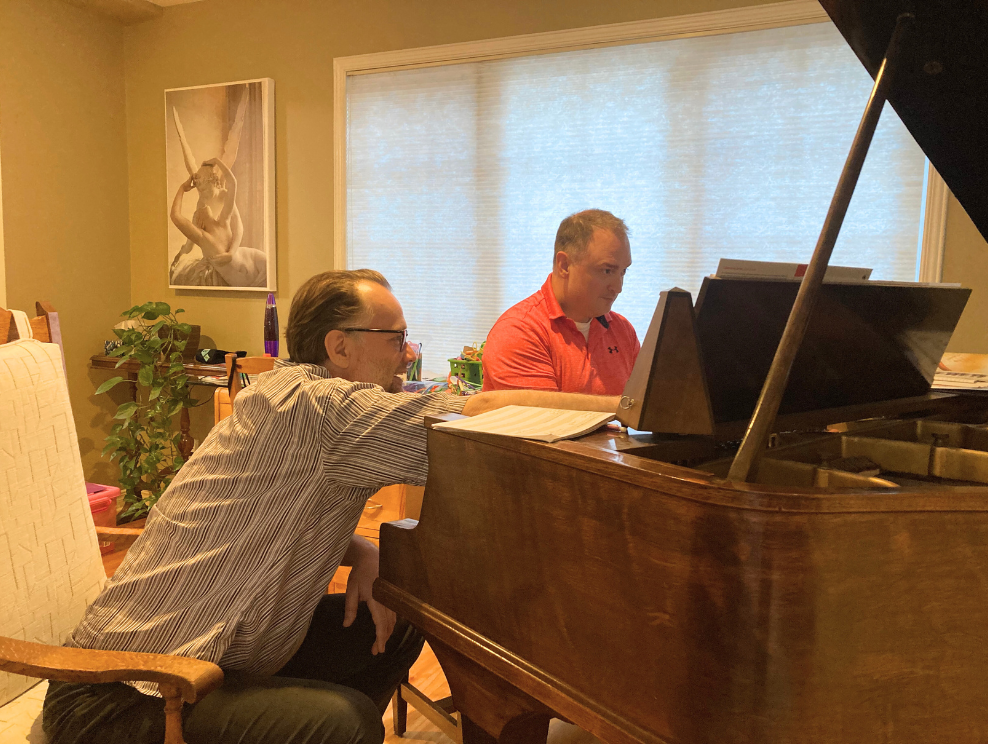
(637, 587)
(646, 601)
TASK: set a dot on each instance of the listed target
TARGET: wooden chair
(56, 568)
(45, 327)
(235, 366)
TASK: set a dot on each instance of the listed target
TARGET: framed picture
(219, 154)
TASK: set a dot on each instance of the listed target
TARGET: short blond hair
(576, 231)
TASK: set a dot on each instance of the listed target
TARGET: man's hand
(363, 557)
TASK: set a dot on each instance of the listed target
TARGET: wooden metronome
(667, 391)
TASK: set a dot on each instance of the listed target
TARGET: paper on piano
(731, 268)
(527, 422)
(962, 372)
(945, 380)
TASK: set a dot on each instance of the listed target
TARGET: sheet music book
(731, 268)
(527, 422)
(966, 381)
(962, 372)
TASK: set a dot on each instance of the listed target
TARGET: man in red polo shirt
(565, 337)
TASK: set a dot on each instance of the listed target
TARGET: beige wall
(79, 174)
(965, 260)
(3, 267)
(294, 43)
(63, 143)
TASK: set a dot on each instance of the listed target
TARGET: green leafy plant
(144, 441)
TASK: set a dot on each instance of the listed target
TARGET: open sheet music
(730, 268)
(526, 422)
(965, 372)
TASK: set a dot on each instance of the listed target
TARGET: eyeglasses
(403, 334)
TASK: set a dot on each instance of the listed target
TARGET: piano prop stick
(652, 588)
(755, 439)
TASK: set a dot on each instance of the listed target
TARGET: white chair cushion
(50, 566)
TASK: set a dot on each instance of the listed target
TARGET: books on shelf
(527, 422)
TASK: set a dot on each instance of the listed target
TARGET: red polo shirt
(534, 346)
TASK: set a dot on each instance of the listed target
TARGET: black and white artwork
(219, 150)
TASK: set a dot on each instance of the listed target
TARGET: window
(726, 145)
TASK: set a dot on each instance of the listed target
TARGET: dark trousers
(332, 691)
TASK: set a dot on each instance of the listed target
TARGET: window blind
(708, 147)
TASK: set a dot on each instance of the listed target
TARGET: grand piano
(798, 550)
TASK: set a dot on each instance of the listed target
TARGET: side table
(195, 371)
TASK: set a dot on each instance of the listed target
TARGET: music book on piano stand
(962, 372)
(736, 268)
(968, 382)
(528, 422)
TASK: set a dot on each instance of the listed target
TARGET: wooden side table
(195, 371)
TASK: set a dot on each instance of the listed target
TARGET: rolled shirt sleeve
(372, 438)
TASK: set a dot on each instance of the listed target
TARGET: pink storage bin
(103, 504)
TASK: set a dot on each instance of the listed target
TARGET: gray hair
(576, 231)
(326, 302)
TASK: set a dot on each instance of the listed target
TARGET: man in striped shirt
(235, 560)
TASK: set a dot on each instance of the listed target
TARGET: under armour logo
(612, 350)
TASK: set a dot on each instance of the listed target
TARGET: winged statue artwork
(214, 254)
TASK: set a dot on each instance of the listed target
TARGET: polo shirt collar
(556, 312)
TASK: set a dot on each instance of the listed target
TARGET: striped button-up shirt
(242, 545)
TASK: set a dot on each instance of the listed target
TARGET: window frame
(712, 23)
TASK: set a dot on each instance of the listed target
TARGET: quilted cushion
(50, 567)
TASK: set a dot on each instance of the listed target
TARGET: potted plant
(144, 441)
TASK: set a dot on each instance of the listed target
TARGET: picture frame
(219, 166)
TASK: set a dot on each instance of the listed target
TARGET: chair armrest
(193, 678)
(135, 532)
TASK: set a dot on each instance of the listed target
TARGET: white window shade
(708, 147)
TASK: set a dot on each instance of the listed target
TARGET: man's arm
(184, 224)
(373, 438)
(492, 399)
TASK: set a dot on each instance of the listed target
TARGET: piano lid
(941, 91)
